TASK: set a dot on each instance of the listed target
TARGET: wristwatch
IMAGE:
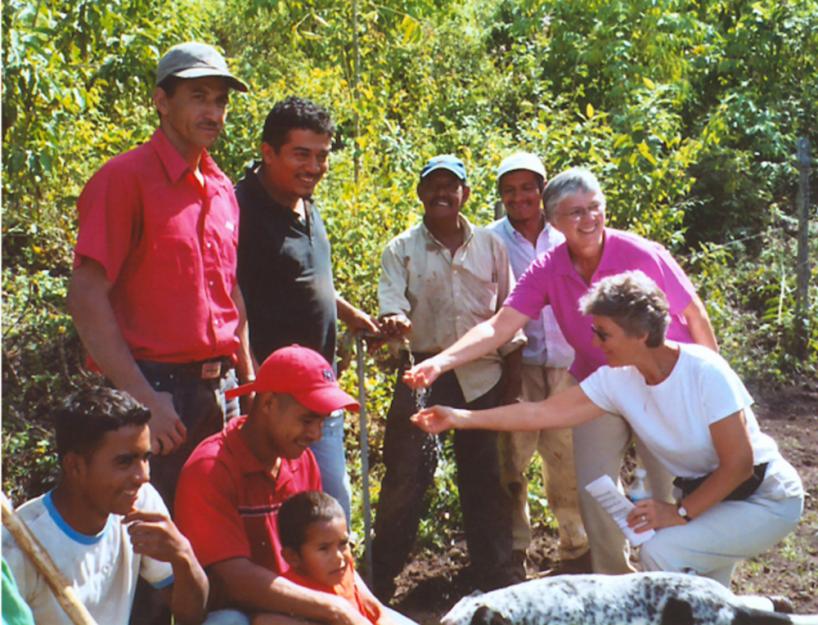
(682, 512)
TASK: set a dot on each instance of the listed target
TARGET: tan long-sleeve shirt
(444, 295)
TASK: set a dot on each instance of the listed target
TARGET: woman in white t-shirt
(737, 496)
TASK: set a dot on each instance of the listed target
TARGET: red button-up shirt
(227, 503)
(168, 246)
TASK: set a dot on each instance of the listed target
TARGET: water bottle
(639, 488)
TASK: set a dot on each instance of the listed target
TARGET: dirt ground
(433, 582)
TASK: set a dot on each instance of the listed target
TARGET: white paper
(618, 506)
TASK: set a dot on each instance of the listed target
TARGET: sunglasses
(600, 334)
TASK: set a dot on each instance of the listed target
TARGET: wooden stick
(35, 552)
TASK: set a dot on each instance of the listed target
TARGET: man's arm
(355, 318)
(154, 535)
(483, 338)
(258, 589)
(246, 362)
(568, 408)
(698, 322)
(96, 324)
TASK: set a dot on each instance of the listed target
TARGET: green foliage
(751, 300)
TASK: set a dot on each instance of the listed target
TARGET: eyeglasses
(579, 213)
(600, 334)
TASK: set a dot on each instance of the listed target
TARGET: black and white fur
(636, 599)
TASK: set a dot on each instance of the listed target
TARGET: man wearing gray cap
(438, 279)
(153, 292)
(526, 234)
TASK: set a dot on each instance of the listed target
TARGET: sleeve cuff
(163, 583)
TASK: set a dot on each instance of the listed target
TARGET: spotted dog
(636, 599)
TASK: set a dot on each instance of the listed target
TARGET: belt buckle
(211, 370)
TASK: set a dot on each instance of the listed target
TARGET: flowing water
(432, 446)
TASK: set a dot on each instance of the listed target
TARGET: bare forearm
(99, 331)
(698, 323)
(482, 339)
(346, 311)
(716, 487)
(190, 590)
(259, 589)
(245, 365)
(567, 409)
(731, 440)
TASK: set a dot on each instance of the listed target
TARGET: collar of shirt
(176, 166)
(247, 462)
(469, 232)
(548, 238)
(565, 266)
(252, 177)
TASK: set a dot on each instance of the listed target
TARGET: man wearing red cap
(233, 484)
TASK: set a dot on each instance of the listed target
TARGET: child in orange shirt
(312, 528)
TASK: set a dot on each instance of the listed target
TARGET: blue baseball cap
(449, 162)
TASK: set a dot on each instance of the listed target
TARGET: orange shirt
(348, 589)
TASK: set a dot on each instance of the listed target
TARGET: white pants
(599, 449)
(556, 448)
(713, 543)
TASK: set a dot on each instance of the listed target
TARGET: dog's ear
(677, 612)
(484, 615)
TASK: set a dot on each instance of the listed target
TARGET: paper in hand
(618, 506)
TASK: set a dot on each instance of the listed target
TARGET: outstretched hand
(437, 419)
(422, 375)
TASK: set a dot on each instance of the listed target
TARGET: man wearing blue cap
(438, 279)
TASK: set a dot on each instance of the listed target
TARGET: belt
(212, 369)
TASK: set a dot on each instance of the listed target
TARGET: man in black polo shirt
(284, 265)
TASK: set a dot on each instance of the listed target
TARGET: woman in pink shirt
(575, 205)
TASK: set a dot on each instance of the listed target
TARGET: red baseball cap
(303, 373)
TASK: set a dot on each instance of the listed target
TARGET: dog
(635, 599)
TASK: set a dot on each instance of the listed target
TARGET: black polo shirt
(285, 273)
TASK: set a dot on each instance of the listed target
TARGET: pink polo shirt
(168, 247)
(552, 279)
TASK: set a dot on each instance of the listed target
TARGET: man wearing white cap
(526, 234)
(153, 293)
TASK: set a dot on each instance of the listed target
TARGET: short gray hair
(574, 180)
(633, 301)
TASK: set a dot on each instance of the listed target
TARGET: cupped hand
(423, 374)
(437, 419)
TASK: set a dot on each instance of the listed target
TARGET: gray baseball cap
(195, 60)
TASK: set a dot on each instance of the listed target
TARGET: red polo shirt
(168, 247)
(227, 504)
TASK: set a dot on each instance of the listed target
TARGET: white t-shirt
(103, 569)
(673, 417)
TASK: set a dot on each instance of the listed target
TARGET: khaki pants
(556, 448)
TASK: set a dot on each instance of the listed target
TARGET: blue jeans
(329, 452)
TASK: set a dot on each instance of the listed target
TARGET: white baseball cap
(521, 160)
